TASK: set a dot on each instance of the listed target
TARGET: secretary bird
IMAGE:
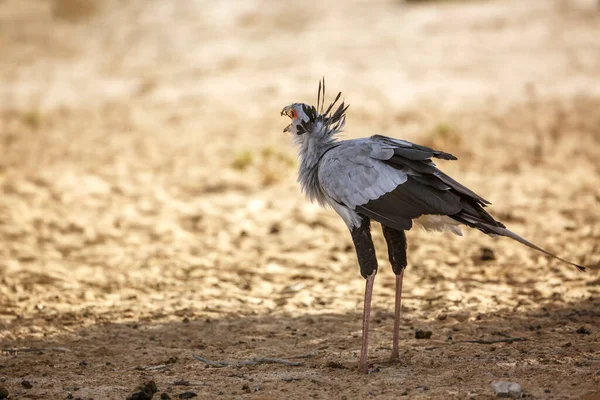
(391, 181)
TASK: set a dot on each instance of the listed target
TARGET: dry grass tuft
(270, 163)
(74, 10)
(242, 160)
(443, 136)
(32, 119)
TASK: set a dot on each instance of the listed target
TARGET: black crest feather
(334, 120)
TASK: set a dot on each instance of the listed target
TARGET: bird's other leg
(367, 260)
(396, 242)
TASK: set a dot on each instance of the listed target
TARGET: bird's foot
(367, 368)
(363, 367)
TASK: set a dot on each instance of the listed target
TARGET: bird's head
(315, 122)
(301, 115)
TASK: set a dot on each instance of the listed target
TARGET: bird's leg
(396, 242)
(367, 260)
(363, 366)
(396, 338)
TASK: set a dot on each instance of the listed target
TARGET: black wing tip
(446, 156)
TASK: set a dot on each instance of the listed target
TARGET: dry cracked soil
(149, 210)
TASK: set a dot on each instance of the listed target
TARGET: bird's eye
(293, 114)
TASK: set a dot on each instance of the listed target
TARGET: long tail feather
(505, 232)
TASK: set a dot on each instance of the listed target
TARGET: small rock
(26, 384)
(507, 389)
(164, 396)
(583, 331)
(144, 392)
(187, 395)
(3, 393)
(487, 254)
(421, 334)
(335, 364)
(290, 379)
(373, 369)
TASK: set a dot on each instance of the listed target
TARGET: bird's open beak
(286, 112)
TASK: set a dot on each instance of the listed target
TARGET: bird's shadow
(116, 356)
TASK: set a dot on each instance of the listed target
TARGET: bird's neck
(311, 151)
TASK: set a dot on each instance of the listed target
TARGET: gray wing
(393, 181)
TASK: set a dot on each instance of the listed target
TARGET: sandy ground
(149, 210)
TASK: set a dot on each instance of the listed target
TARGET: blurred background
(149, 208)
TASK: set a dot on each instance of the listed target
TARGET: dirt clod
(187, 395)
(487, 254)
(423, 334)
(26, 384)
(583, 331)
(144, 392)
(3, 393)
(335, 364)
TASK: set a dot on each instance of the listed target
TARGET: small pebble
(421, 334)
(26, 384)
(164, 396)
(507, 389)
(335, 365)
(144, 392)
(187, 395)
(487, 254)
(583, 331)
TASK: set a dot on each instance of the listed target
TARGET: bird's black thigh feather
(365, 250)
(396, 242)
